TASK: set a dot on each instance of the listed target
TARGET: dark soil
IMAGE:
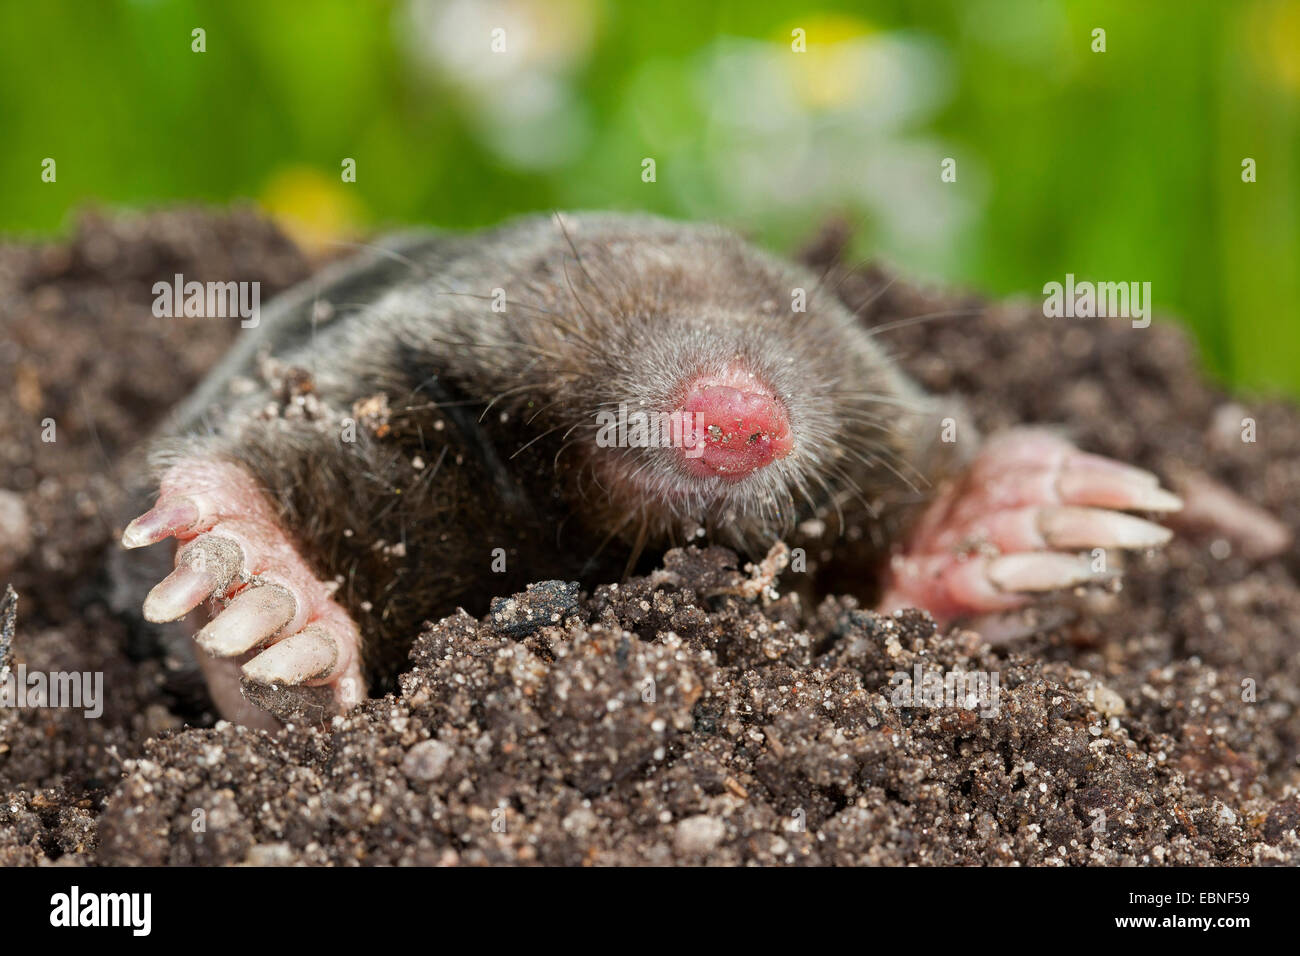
(679, 717)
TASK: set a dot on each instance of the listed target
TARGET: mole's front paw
(278, 624)
(1015, 526)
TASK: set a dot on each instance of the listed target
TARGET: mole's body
(449, 418)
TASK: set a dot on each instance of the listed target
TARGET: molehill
(690, 716)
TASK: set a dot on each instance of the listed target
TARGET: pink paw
(1015, 524)
(277, 624)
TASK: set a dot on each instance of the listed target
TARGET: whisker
(564, 230)
(882, 398)
(509, 391)
(638, 546)
(874, 297)
(532, 441)
(918, 319)
(387, 253)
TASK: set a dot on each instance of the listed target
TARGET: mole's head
(708, 385)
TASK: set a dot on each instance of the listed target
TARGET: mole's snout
(732, 426)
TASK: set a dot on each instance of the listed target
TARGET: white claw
(1037, 571)
(1084, 461)
(1157, 499)
(1114, 489)
(166, 518)
(253, 616)
(310, 654)
(207, 565)
(179, 593)
(1080, 528)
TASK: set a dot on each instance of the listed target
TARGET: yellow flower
(313, 208)
(832, 70)
(1274, 30)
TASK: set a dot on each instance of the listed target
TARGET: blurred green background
(1117, 166)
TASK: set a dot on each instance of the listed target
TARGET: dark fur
(601, 309)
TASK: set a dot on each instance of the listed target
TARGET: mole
(445, 418)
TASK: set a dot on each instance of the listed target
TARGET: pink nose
(732, 427)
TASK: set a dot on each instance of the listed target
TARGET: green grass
(1123, 165)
